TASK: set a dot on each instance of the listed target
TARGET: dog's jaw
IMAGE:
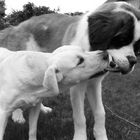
(98, 74)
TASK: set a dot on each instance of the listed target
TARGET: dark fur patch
(137, 47)
(108, 30)
(57, 25)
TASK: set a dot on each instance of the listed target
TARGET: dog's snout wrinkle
(132, 60)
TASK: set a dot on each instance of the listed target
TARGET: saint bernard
(113, 27)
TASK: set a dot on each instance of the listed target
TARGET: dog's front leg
(95, 100)
(77, 99)
(33, 118)
(3, 122)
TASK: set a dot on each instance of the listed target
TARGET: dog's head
(71, 66)
(115, 27)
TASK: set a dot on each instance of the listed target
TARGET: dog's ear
(108, 29)
(51, 78)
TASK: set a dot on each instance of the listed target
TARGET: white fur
(81, 39)
(26, 77)
(137, 30)
(120, 55)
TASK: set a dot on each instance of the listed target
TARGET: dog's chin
(120, 70)
(98, 74)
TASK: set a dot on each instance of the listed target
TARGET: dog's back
(41, 33)
(4, 53)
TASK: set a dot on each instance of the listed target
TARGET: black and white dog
(114, 27)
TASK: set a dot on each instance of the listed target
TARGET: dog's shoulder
(35, 60)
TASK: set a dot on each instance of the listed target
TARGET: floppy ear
(107, 28)
(51, 78)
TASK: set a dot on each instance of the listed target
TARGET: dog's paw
(45, 109)
(80, 134)
(17, 116)
(102, 138)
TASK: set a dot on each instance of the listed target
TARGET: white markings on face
(124, 51)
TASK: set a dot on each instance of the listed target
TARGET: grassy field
(121, 97)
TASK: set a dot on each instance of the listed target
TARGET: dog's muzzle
(99, 74)
(111, 65)
(132, 61)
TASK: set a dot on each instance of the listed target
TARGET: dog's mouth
(118, 69)
(100, 73)
(115, 68)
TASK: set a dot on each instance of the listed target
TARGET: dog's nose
(109, 58)
(112, 64)
(105, 55)
(132, 60)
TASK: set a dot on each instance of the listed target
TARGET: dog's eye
(81, 60)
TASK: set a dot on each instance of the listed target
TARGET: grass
(120, 93)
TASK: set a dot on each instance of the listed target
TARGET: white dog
(113, 27)
(26, 77)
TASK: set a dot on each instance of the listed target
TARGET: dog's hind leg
(94, 96)
(33, 118)
(77, 99)
(3, 122)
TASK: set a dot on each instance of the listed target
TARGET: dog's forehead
(66, 57)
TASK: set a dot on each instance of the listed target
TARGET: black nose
(105, 55)
(132, 60)
(112, 64)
